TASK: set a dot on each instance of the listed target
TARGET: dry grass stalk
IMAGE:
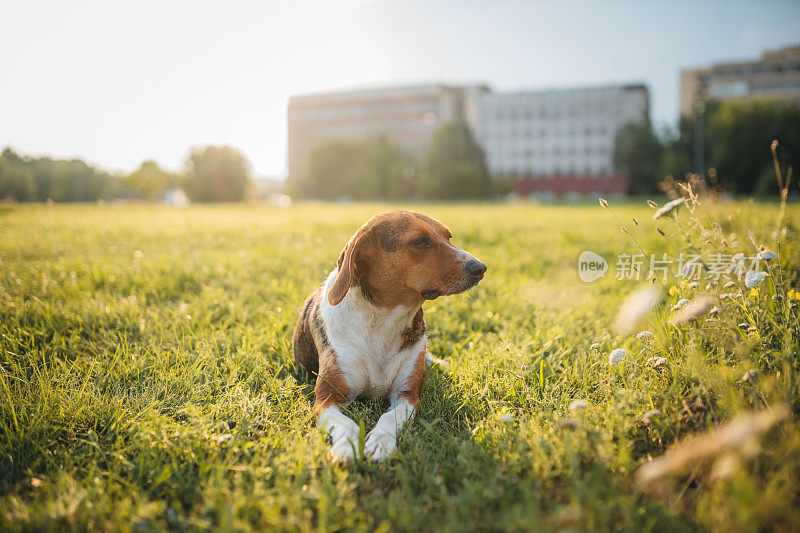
(725, 446)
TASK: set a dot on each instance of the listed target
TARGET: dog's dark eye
(420, 243)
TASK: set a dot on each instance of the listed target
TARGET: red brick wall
(572, 184)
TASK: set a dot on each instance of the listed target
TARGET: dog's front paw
(379, 445)
(344, 450)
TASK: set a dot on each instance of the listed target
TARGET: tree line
(735, 138)
(454, 167)
(210, 174)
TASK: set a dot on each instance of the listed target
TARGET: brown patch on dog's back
(309, 339)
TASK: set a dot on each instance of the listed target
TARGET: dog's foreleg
(332, 394)
(382, 440)
(343, 432)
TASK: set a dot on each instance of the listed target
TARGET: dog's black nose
(476, 268)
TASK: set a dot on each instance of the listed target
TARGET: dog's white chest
(367, 343)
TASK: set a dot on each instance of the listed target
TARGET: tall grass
(146, 378)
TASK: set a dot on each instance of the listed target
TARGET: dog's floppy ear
(347, 265)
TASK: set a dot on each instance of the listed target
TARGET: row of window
(775, 85)
(556, 152)
(587, 131)
(756, 68)
(554, 172)
(550, 113)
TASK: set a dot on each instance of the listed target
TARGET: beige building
(404, 116)
(775, 76)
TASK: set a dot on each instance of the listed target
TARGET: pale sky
(116, 83)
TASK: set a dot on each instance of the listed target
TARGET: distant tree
(638, 153)
(216, 174)
(456, 165)
(60, 180)
(739, 136)
(362, 170)
(677, 160)
(16, 179)
(149, 181)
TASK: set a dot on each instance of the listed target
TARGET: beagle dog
(362, 331)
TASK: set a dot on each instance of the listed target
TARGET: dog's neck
(358, 305)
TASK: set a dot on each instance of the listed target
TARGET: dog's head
(402, 258)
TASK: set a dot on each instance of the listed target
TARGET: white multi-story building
(554, 141)
(556, 134)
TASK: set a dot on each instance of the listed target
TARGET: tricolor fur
(362, 332)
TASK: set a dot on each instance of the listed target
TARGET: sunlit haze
(116, 83)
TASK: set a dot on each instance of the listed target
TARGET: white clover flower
(767, 255)
(506, 418)
(595, 346)
(617, 356)
(752, 279)
(682, 302)
(744, 325)
(644, 335)
(668, 207)
(656, 361)
(578, 405)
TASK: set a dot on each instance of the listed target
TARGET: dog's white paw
(379, 445)
(344, 450)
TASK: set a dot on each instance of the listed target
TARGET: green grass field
(147, 377)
